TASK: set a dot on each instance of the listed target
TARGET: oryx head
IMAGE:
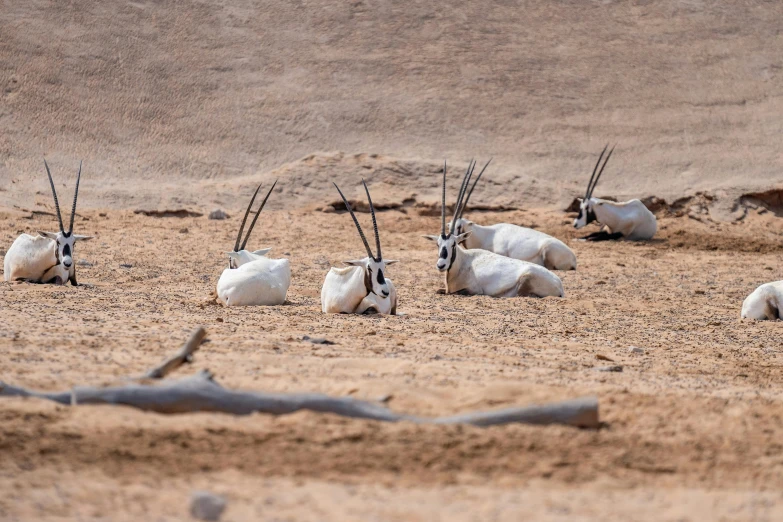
(448, 241)
(240, 256)
(465, 225)
(65, 241)
(374, 266)
(586, 213)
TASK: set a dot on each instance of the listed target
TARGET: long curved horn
(601, 172)
(374, 224)
(54, 193)
(355, 221)
(75, 197)
(253, 223)
(443, 204)
(244, 219)
(470, 192)
(463, 188)
(590, 183)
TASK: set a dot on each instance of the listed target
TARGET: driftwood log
(200, 393)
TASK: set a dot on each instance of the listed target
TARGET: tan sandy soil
(693, 425)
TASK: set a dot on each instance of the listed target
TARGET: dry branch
(183, 356)
(200, 393)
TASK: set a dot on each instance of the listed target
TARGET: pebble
(84, 262)
(635, 349)
(218, 214)
(610, 368)
(207, 506)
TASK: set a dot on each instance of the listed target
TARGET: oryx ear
(77, 237)
(388, 262)
(50, 235)
(431, 238)
(358, 262)
(462, 237)
(262, 252)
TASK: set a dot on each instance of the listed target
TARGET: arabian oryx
(481, 272)
(514, 241)
(629, 220)
(251, 278)
(765, 302)
(47, 257)
(362, 286)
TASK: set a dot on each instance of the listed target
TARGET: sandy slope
(212, 90)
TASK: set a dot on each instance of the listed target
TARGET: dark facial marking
(590, 215)
(453, 256)
(381, 278)
(368, 281)
(444, 253)
(67, 250)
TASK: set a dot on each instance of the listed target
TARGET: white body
(631, 219)
(520, 243)
(480, 272)
(257, 280)
(34, 259)
(345, 291)
(764, 302)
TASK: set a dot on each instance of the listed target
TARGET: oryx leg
(771, 311)
(603, 235)
(524, 287)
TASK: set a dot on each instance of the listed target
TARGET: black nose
(67, 265)
(385, 293)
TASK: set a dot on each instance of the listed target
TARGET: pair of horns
(237, 247)
(459, 209)
(593, 182)
(57, 203)
(379, 258)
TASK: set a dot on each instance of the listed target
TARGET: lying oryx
(628, 220)
(765, 302)
(514, 241)
(361, 287)
(47, 257)
(252, 278)
(481, 272)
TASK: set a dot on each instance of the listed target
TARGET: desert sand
(180, 108)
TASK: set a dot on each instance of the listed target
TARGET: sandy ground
(693, 425)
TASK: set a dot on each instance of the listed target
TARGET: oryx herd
(499, 260)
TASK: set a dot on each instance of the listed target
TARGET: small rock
(2, 252)
(183, 230)
(126, 265)
(328, 209)
(635, 349)
(603, 357)
(317, 340)
(84, 262)
(698, 292)
(207, 506)
(102, 214)
(610, 368)
(218, 214)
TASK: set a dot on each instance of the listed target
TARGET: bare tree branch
(184, 356)
(200, 393)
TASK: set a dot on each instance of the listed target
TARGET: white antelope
(765, 302)
(252, 279)
(362, 286)
(629, 220)
(481, 272)
(47, 257)
(514, 241)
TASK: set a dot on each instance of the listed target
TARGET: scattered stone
(218, 214)
(207, 506)
(178, 213)
(2, 252)
(616, 368)
(322, 261)
(603, 357)
(698, 292)
(436, 357)
(84, 262)
(184, 230)
(600, 282)
(635, 349)
(714, 323)
(317, 340)
(126, 265)
(102, 214)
